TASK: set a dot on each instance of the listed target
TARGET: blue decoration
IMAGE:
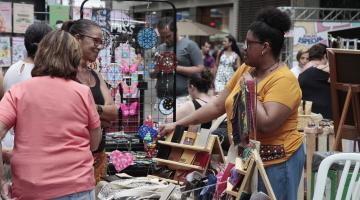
(147, 38)
(147, 133)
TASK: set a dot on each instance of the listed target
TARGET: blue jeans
(86, 195)
(285, 177)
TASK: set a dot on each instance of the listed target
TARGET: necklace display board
(125, 64)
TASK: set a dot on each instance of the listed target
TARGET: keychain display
(147, 38)
(166, 106)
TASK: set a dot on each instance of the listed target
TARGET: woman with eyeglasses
(278, 97)
(89, 35)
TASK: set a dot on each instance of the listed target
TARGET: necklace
(268, 69)
(86, 80)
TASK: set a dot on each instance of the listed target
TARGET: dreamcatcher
(147, 38)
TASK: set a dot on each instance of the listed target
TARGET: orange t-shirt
(280, 86)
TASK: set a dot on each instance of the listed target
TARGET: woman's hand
(166, 129)
(247, 77)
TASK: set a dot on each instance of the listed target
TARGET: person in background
(314, 81)
(56, 131)
(21, 71)
(89, 35)
(278, 99)
(198, 88)
(303, 58)
(209, 61)
(227, 61)
(189, 62)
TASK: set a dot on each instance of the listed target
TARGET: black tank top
(96, 91)
(99, 100)
(197, 105)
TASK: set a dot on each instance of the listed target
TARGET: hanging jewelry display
(166, 106)
(112, 74)
(147, 38)
(166, 62)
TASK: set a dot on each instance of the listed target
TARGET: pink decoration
(121, 160)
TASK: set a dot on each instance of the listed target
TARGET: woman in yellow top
(278, 97)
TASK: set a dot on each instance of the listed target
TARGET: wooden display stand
(246, 170)
(345, 94)
(213, 147)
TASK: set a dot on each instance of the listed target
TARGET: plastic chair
(354, 187)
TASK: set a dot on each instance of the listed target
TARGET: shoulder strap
(197, 105)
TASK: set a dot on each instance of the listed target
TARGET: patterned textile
(244, 114)
(226, 68)
(100, 165)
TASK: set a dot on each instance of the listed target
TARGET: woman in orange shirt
(278, 97)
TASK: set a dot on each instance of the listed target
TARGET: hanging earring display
(166, 62)
(166, 106)
(147, 38)
(112, 74)
(106, 37)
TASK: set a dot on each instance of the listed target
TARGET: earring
(262, 53)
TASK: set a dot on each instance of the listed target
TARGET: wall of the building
(248, 10)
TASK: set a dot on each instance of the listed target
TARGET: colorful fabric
(243, 120)
(100, 165)
(280, 86)
(121, 160)
(51, 156)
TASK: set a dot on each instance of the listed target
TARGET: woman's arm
(95, 138)
(238, 61)
(206, 113)
(4, 190)
(109, 111)
(270, 116)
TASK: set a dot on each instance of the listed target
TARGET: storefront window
(219, 18)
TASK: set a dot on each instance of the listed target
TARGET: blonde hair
(300, 53)
(58, 55)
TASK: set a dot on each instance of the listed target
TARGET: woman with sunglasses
(89, 35)
(278, 97)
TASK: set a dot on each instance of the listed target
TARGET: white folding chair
(354, 186)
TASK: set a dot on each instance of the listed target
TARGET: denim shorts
(86, 195)
(285, 177)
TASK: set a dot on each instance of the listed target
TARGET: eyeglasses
(248, 42)
(98, 43)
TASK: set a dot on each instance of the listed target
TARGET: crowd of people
(58, 107)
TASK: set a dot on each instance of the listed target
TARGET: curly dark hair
(270, 26)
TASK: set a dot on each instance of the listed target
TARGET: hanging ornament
(106, 37)
(147, 38)
(112, 74)
(166, 62)
(166, 106)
